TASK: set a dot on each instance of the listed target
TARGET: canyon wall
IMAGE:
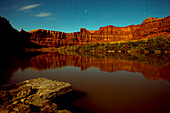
(9, 37)
(13, 41)
(149, 27)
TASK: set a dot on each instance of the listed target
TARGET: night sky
(71, 15)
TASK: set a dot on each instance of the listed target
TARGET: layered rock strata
(149, 27)
(33, 95)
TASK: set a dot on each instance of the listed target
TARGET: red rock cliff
(149, 27)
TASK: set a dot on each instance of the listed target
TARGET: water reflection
(110, 83)
(152, 67)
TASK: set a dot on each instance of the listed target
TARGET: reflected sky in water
(109, 83)
(118, 91)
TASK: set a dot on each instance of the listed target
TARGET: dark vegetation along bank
(157, 45)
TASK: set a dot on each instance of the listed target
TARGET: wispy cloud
(43, 14)
(29, 7)
(52, 18)
(3, 8)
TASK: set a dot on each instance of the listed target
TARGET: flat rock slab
(33, 95)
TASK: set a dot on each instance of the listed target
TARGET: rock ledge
(33, 95)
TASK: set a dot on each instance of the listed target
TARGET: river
(105, 82)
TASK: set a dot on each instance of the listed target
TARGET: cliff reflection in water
(152, 67)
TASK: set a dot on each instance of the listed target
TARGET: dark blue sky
(71, 15)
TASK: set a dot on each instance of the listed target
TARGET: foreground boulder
(33, 95)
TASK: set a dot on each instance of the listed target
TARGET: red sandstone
(150, 27)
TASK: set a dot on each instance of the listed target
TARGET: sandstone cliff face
(149, 27)
(153, 27)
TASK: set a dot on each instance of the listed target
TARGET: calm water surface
(109, 83)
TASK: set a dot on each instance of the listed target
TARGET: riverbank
(157, 45)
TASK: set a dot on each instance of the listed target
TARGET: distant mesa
(149, 19)
(150, 27)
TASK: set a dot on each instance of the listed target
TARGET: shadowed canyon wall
(55, 60)
(149, 27)
(10, 39)
(13, 41)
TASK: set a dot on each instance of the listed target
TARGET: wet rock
(33, 95)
